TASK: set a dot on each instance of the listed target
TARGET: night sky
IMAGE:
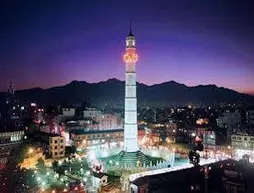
(49, 43)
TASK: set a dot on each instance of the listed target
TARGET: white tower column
(130, 114)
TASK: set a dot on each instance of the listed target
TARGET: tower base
(132, 159)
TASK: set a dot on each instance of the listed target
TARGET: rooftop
(99, 175)
(85, 131)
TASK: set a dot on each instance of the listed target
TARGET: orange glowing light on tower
(130, 56)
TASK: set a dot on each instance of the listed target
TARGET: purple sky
(192, 42)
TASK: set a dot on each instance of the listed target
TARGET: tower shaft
(130, 114)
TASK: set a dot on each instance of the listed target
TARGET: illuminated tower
(130, 114)
(131, 156)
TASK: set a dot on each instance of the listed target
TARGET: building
(92, 113)
(232, 183)
(162, 115)
(9, 141)
(229, 120)
(209, 139)
(9, 138)
(99, 179)
(85, 123)
(51, 144)
(56, 146)
(157, 135)
(66, 113)
(44, 128)
(147, 114)
(109, 121)
(250, 121)
(84, 138)
(174, 179)
(162, 132)
(36, 113)
(11, 118)
(242, 144)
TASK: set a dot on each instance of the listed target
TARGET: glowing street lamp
(30, 150)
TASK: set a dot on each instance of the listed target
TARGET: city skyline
(199, 43)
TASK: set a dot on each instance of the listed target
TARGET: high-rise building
(130, 114)
(250, 120)
(11, 118)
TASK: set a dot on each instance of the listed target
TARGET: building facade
(8, 138)
(229, 120)
(92, 113)
(57, 146)
(109, 121)
(83, 138)
(242, 142)
(241, 145)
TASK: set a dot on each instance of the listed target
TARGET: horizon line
(96, 82)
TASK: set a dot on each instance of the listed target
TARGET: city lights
(30, 150)
(124, 136)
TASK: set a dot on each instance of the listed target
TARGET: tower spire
(130, 32)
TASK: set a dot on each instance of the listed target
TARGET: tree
(70, 150)
(194, 157)
(199, 146)
(20, 153)
(40, 165)
(55, 165)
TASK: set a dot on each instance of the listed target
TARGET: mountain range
(111, 93)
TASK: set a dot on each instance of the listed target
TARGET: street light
(30, 150)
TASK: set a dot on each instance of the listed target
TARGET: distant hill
(111, 93)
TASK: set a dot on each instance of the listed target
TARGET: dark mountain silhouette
(111, 93)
